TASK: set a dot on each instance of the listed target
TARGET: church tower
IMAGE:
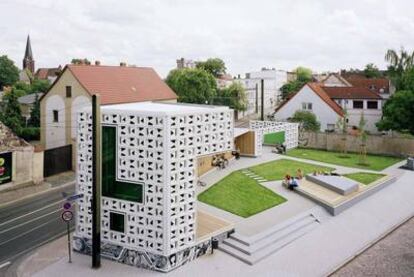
(28, 61)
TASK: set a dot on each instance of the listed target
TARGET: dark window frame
(68, 91)
(355, 106)
(117, 222)
(369, 105)
(55, 116)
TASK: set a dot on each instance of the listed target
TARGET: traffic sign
(67, 216)
(67, 206)
(74, 197)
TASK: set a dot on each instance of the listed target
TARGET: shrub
(30, 133)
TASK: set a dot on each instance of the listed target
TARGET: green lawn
(365, 178)
(240, 195)
(374, 162)
(277, 170)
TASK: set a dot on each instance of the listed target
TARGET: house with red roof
(73, 90)
(330, 99)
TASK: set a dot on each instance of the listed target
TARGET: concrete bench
(338, 184)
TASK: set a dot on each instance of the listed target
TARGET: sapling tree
(342, 126)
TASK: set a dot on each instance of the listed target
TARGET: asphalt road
(30, 223)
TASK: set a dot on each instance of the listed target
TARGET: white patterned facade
(265, 127)
(157, 147)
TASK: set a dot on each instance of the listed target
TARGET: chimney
(97, 62)
(122, 64)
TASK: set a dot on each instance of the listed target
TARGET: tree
(362, 134)
(11, 115)
(371, 71)
(303, 74)
(9, 73)
(233, 96)
(342, 125)
(399, 62)
(34, 120)
(215, 66)
(307, 120)
(291, 88)
(39, 85)
(192, 85)
(398, 112)
(80, 61)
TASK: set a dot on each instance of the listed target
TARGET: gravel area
(391, 256)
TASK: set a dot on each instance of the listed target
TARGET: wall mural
(144, 259)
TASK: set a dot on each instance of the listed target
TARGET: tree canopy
(34, 120)
(303, 74)
(371, 71)
(80, 61)
(307, 119)
(233, 96)
(215, 66)
(9, 73)
(398, 112)
(11, 113)
(192, 85)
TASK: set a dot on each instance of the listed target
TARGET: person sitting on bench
(293, 183)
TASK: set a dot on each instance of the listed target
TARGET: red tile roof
(350, 93)
(325, 97)
(321, 93)
(122, 84)
(373, 84)
(44, 73)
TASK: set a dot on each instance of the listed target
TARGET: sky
(324, 35)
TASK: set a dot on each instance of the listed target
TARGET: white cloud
(324, 35)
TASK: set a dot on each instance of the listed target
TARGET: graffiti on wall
(6, 169)
(144, 259)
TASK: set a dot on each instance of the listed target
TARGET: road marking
(30, 221)
(35, 211)
(5, 264)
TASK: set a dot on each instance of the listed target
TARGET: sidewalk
(317, 253)
(10, 196)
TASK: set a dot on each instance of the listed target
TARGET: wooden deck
(209, 226)
(335, 202)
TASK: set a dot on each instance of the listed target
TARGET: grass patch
(365, 178)
(374, 162)
(276, 170)
(240, 195)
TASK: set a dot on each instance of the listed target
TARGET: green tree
(342, 126)
(192, 85)
(398, 112)
(215, 66)
(307, 120)
(291, 88)
(371, 71)
(303, 74)
(9, 73)
(233, 96)
(11, 115)
(399, 62)
(39, 85)
(363, 136)
(34, 120)
(80, 61)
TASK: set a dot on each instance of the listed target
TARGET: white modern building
(273, 80)
(149, 160)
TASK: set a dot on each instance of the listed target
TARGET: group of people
(220, 161)
(292, 182)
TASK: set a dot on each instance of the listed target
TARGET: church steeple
(28, 61)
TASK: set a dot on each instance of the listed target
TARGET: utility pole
(257, 98)
(96, 181)
(262, 108)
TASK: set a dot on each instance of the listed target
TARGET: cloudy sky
(247, 35)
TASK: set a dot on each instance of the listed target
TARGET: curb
(30, 196)
(369, 245)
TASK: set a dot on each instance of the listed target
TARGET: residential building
(73, 89)
(273, 80)
(49, 74)
(329, 101)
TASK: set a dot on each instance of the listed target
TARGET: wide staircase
(257, 247)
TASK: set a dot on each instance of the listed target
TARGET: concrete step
(269, 232)
(270, 249)
(271, 239)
